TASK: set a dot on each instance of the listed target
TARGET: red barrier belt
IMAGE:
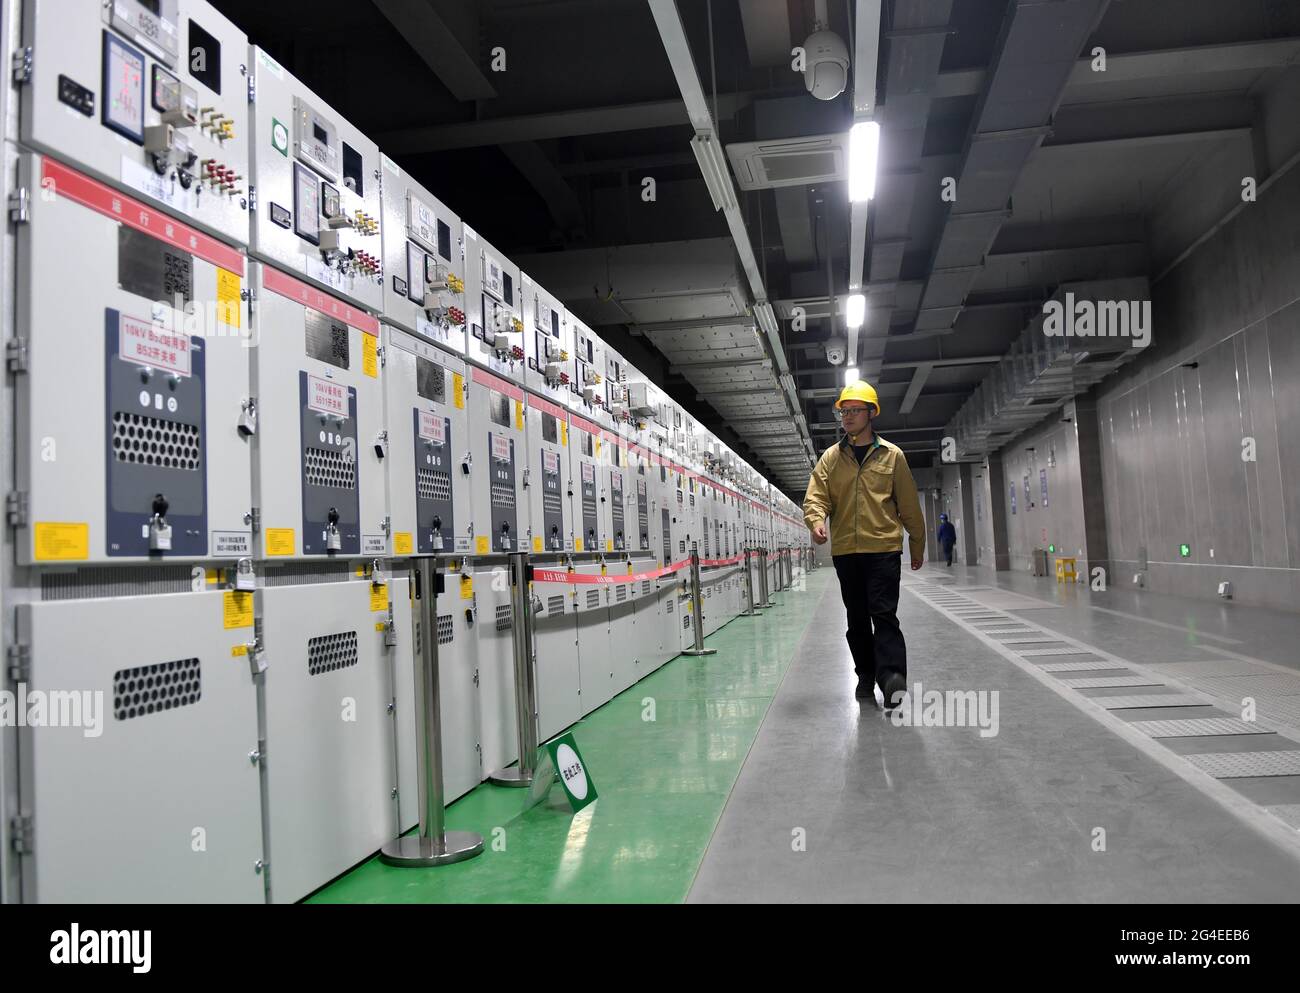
(587, 579)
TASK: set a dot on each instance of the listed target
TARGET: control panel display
(123, 88)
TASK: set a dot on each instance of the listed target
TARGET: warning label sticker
(374, 544)
(139, 341)
(237, 609)
(61, 542)
(229, 293)
(370, 356)
(501, 448)
(232, 544)
(550, 463)
(280, 541)
(588, 472)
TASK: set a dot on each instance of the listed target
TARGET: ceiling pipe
(708, 151)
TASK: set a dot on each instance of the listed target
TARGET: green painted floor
(662, 786)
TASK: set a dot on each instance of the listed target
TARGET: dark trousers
(947, 550)
(869, 587)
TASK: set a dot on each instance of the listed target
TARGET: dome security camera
(826, 65)
(836, 350)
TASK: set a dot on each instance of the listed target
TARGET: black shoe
(864, 690)
(894, 688)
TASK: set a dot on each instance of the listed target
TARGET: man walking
(863, 489)
(947, 536)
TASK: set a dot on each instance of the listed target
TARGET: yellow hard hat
(861, 390)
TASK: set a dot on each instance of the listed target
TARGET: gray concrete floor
(942, 814)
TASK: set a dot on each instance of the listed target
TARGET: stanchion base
(412, 850)
(748, 613)
(700, 651)
(770, 603)
(511, 777)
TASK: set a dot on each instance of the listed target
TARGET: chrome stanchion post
(749, 610)
(433, 845)
(764, 597)
(698, 606)
(525, 675)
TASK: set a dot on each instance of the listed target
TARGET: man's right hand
(819, 533)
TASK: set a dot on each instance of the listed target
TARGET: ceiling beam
(541, 127)
(536, 167)
(705, 364)
(433, 40)
(737, 320)
(1272, 53)
(919, 376)
(707, 147)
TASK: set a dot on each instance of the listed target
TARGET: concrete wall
(1059, 521)
(1173, 435)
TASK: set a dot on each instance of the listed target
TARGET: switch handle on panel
(333, 541)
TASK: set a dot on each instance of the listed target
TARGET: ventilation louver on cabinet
(151, 689)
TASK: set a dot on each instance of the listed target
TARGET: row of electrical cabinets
(190, 403)
(350, 264)
(195, 698)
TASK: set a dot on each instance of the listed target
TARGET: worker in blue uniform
(947, 536)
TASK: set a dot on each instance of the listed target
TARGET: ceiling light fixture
(864, 153)
(856, 310)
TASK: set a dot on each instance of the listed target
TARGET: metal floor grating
(1288, 813)
(1141, 701)
(1036, 652)
(1098, 682)
(1085, 666)
(1005, 630)
(1196, 727)
(1226, 667)
(1256, 686)
(1240, 765)
(1034, 641)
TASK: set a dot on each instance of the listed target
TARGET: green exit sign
(1051, 548)
(1184, 549)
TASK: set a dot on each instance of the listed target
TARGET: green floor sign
(574, 777)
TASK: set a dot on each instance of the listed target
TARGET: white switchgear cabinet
(133, 412)
(151, 97)
(164, 804)
(320, 452)
(547, 346)
(493, 297)
(424, 261)
(428, 440)
(332, 765)
(317, 211)
(496, 463)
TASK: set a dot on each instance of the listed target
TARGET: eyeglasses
(845, 412)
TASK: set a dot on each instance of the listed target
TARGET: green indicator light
(1184, 549)
(1051, 548)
